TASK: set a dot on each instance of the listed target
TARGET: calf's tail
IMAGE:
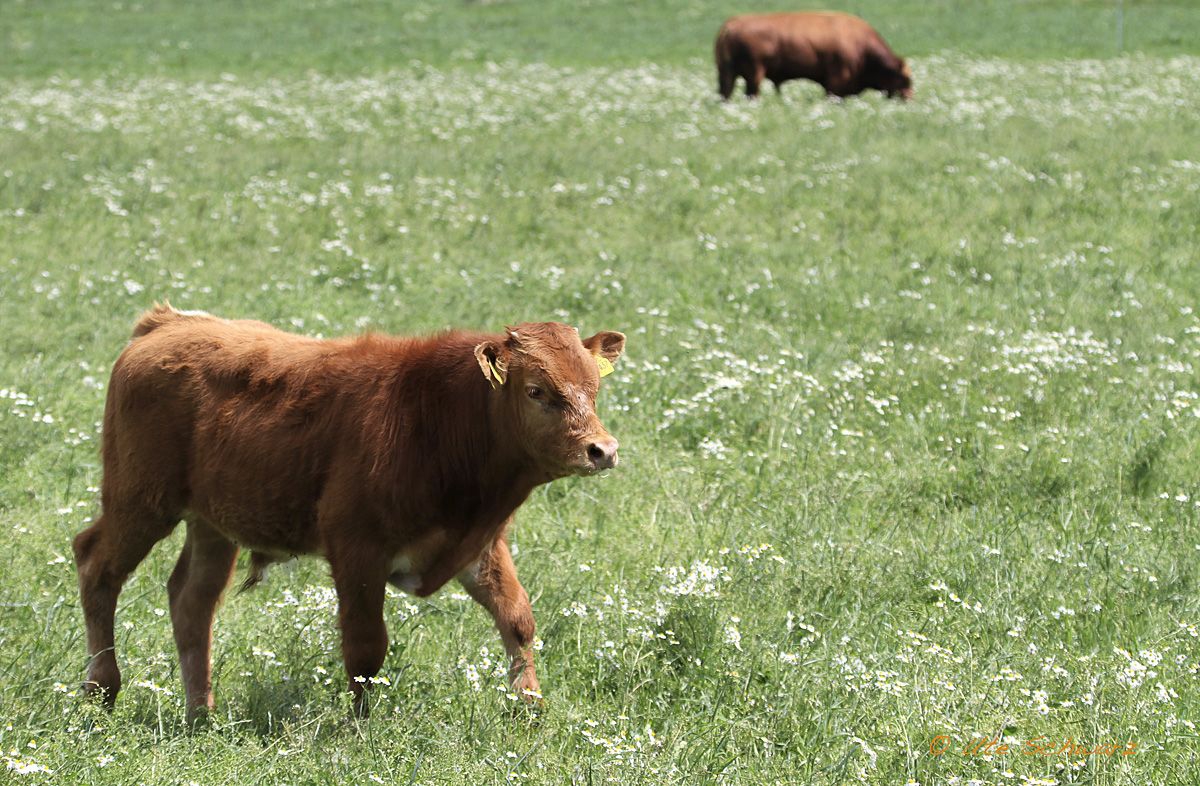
(259, 562)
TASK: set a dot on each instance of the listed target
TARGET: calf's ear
(491, 357)
(607, 344)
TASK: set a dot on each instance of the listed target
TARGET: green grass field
(908, 412)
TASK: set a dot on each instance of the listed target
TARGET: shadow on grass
(266, 711)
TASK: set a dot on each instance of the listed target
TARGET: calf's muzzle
(603, 453)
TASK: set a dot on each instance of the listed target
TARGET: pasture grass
(85, 38)
(908, 411)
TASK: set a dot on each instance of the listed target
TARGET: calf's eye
(534, 392)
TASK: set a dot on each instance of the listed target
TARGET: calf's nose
(603, 453)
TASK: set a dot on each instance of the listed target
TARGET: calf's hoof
(97, 694)
(102, 685)
(198, 717)
(525, 687)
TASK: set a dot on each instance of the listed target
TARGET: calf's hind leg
(195, 588)
(492, 582)
(105, 554)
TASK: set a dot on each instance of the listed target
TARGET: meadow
(908, 412)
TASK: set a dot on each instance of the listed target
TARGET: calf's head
(544, 380)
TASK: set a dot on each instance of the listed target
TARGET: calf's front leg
(492, 582)
(359, 575)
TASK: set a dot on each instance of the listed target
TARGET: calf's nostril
(603, 454)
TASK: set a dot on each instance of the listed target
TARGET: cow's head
(546, 378)
(900, 83)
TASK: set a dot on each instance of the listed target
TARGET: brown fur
(397, 459)
(840, 52)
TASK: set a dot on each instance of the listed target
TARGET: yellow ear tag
(497, 374)
(604, 365)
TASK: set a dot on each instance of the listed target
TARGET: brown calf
(399, 460)
(840, 52)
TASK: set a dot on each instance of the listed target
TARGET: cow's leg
(195, 588)
(105, 554)
(492, 581)
(841, 83)
(725, 80)
(754, 80)
(359, 575)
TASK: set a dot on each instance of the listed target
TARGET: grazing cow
(398, 460)
(840, 52)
